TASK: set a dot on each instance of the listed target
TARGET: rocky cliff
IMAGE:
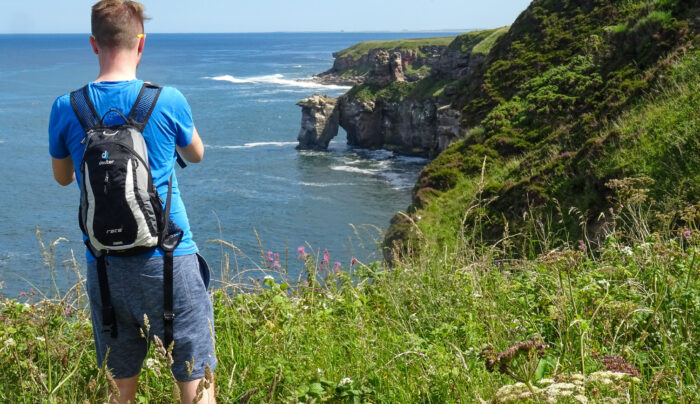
(388, 108)
(418, 57)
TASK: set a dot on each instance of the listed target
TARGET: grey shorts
(136, 288)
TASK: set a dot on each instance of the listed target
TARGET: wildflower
(268, 277)
(300, 249)
(326, 257)
(22, 294)
(353, 261)
(503, 362)
(344, 381)
(10, 342)
(686, 234)
(581, 245)
(276, 264)
(336, 270)
(302, 253)
(41, 339)
(270, 259)
(269, 253)
(151, 363)
(627, 250)
(277, 256)
(619, 365)
(337, 264)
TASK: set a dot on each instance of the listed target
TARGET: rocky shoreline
(417, 125)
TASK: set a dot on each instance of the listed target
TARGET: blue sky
(73, 16)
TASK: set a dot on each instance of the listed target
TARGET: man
(136, 282)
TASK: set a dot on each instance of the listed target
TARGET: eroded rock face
(386, 68)
(455, 64)
(448, 127)
(407, 127)
(319, 122)
(429, 55)
(362, 122)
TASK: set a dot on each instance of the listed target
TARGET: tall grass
(426, 329)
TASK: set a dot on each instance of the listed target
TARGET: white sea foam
(357, 170)
(325, 185)
(277, 79)
(254, 144)
(2, 141)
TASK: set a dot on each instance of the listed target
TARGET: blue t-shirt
(170, 124)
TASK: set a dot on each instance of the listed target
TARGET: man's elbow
(196, 158)
(65, 181)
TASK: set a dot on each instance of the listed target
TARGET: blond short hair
(117, 23)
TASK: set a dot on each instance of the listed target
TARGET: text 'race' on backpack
(121, 212)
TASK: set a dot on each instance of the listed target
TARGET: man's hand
(194, 151)
(63, 170)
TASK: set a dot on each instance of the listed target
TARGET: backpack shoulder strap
(84, 109)
(144, 105)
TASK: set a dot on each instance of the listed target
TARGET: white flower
(269, 277)
(10, 342)
(151, 363)
(41, 339)
(627, 250)
(346, 380)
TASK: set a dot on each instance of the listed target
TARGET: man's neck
(117, 66)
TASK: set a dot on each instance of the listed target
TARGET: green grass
(358, 50)
(411, 333)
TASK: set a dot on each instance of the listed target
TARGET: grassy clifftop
(361, 49)
(578, 108)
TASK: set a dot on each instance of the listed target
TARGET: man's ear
(142, 41)
(93, 43)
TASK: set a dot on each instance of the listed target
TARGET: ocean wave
(277, 79)
(398, 180)
(325, 185)
(356, 170)
(254, 144)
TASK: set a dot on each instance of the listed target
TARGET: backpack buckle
(168, 315)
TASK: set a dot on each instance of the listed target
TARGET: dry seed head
(208, 376)
(146, 323)
(200, 392)
(190, 367)
(112, 385)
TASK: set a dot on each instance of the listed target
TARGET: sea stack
(319, 122)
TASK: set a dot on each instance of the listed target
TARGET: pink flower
(277, 256)
(269, 253)
(300, 249)
(353, 261)
(276, 264)
(336, 270)
(337, 264)
(326, 257)
(270, 259)
(686, 234)
(22, 294)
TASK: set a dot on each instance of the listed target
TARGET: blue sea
(253, 189)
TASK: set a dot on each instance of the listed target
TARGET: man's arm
(194, 151)
(63, 170)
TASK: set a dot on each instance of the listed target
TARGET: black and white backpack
(121, 212)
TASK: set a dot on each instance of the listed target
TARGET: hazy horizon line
(270, 32)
